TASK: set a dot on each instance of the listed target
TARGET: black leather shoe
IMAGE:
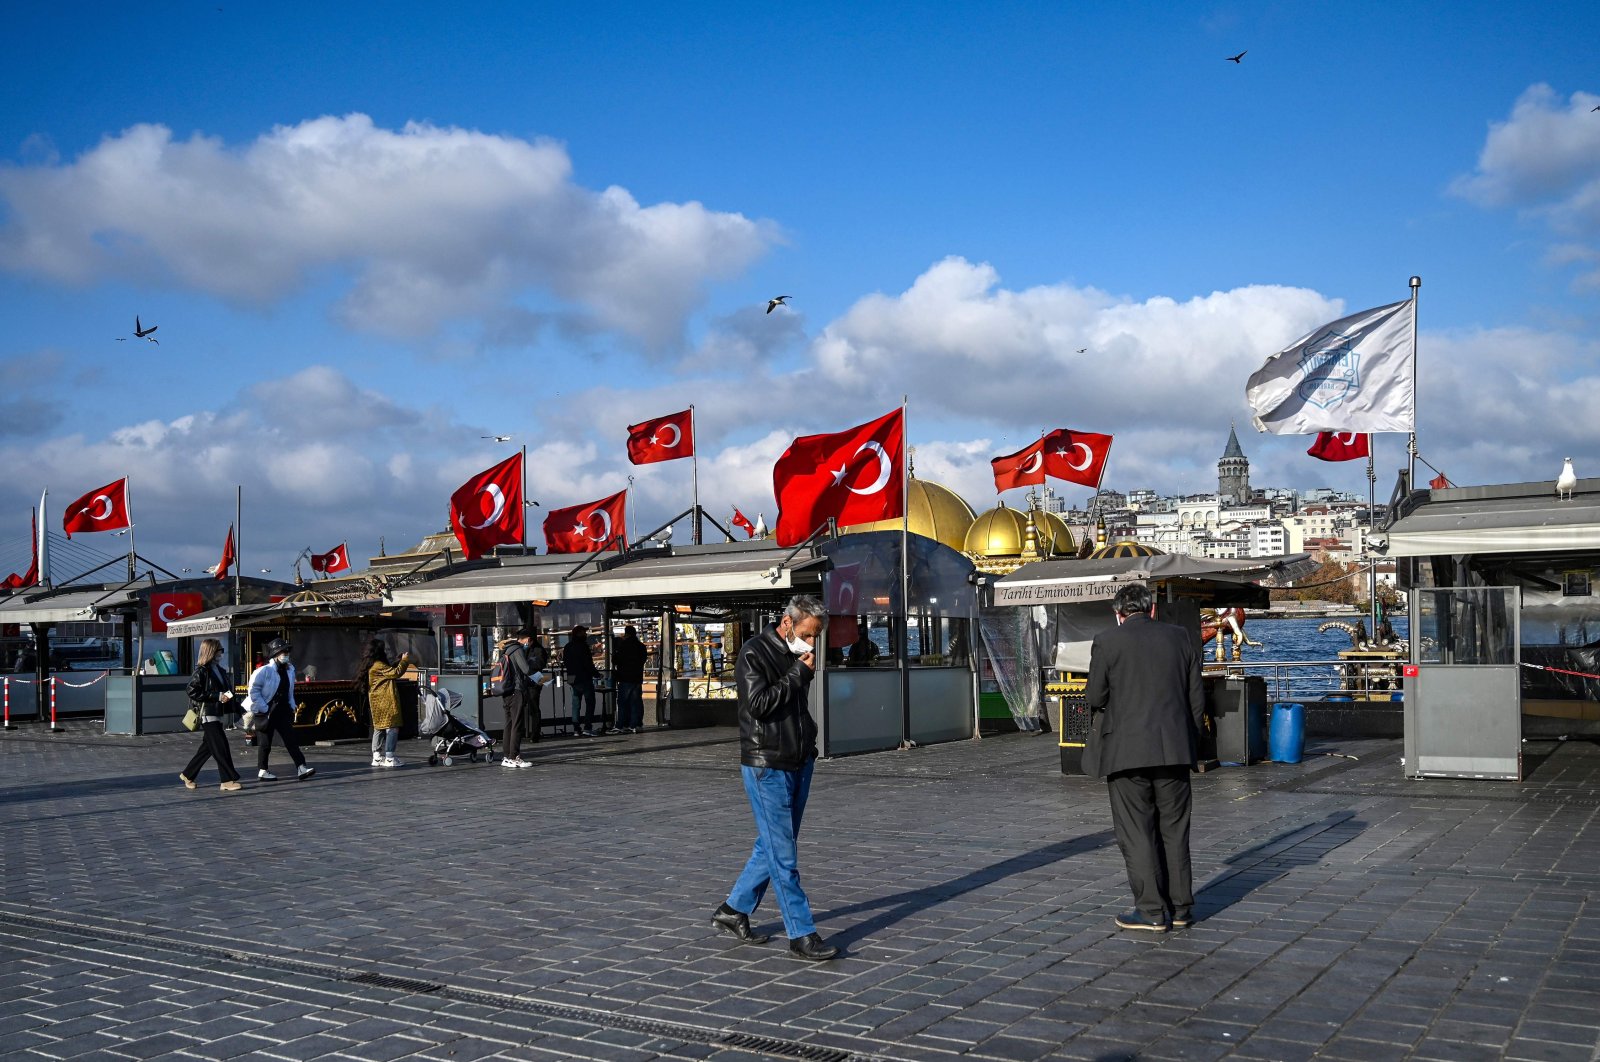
(813, 947)
(1181, 921)
(728, 920)
(1134, 920)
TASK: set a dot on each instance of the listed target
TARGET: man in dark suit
(1147, 702)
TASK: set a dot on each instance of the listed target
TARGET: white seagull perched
(1566, 481)
(773, 304)
(761, 527)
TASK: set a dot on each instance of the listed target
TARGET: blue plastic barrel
(1286, 733)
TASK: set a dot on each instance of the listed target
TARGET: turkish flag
(1440, 482)
(335, 560)
(105, 509)
(587, 528)
(663, 439)
(457, 615)
(1020, 469)
(17, 582)
(840, 593)
(1339, 446)
(228, 556)
(1076, 456)
(164, 608)
(741, 521)
(486, 510)
(855, 476)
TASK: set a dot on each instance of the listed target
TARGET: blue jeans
(630, 705)
(778, 799)
(581, 692)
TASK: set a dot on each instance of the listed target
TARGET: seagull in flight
(141, 332)
(1083, 350)
(1237, 58)
(773, 304)
(1593, 109)
(496, 438)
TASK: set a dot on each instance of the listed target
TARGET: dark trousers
(1150, 813)
(280, 721)
(581, 691)
(511, 736)
(213, 745)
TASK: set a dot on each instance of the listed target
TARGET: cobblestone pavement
(562, 912)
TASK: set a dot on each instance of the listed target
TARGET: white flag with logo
(1351, 375)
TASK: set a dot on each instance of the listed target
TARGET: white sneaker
(377, 760)
(305, 771)
(266, 776)
(507, 761)
(390, 761)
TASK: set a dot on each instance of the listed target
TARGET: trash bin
(1286, 735)
(680, 689)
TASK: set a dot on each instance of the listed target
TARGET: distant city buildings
(1237, 521)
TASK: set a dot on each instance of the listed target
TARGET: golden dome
(935, 512)
(1002, 532)
(1125, 548)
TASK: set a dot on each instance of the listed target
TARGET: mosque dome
(1125, 548)
(933, 512)
(1001, 534)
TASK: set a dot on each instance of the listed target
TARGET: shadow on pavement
(1270, 860)
(894, 907)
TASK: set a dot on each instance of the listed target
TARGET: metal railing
(1366, 681)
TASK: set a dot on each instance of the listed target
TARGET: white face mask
(282, 658)
(799, 646)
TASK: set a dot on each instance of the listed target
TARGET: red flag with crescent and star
(1440, 482)
(168, 608)
(228, 556)
(105, 509)
(663, 439)
(855, 476)
(335, 560)
(587, 528)
(17, 582)
(1339, 446)
(486, 510)
(1076, 456)
(741, 521)
(1021, 469)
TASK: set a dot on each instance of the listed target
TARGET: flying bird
(1083, 350)
(773, 304)
(142, 332)
(496, 438)
(1566, 481)
(1237, 58)
(1593, 109)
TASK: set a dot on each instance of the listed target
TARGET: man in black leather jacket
(777, 751)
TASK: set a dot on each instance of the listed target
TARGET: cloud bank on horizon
(425, 228)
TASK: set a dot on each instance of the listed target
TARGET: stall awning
(683, 574)
(1060, 582)
(289, 611)
(1507, 518)
(67, 606)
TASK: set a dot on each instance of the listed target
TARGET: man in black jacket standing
(777, 750)
(1147, 702)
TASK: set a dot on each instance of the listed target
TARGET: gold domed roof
(1003, 531)
(934, 512)
(1125, 548)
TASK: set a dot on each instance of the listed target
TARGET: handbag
(191, 719)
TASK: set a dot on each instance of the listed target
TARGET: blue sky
(371, 234)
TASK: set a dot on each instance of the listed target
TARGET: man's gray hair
(803, 606)
(1135, 597)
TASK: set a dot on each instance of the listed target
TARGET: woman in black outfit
(209, 690)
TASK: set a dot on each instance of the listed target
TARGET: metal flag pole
(905, 580)
(523, 467)
(1411, 446)
(628, 513)
(238, 538)
(1372, 508)
(127, 502)
(694, 477)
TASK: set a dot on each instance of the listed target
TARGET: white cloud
(1544, 160)
(434, 224)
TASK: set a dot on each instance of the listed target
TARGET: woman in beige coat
(376, 677)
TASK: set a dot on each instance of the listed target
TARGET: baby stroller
(451, 736)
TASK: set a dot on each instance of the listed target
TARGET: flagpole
(524, 467)
(694, 476)
(905, 579)
(127, 501)
(1411, 446)
(1372, 508)
(238, 538)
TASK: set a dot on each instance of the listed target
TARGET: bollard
(8, 725)
(54, 729)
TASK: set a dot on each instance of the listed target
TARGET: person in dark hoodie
(577, 659)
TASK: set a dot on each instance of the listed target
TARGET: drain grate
(406, 984)
(789, 1048)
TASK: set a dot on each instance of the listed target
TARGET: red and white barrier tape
(1560, 671)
